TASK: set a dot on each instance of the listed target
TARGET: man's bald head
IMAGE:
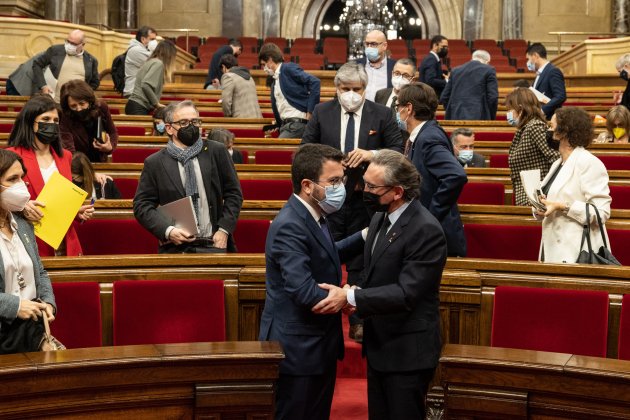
(77, 38)
(378, 40)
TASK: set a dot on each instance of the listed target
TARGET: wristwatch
(566, 209)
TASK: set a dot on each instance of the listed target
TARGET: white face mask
(15, 197)
(350, 101)
(269, 71)
(70, 49)
(466, 155)
(398, 82)
(152, 45)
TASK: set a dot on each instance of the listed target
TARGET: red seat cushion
(624, 329)
(620, 196)
(78, 319)
(482, 193)
(132, 154)
(274, 157)
(266, 189)
(245, 155)
(503, 241)
(615, 162)
(564, 321)
(248, 132)
(494, 135)
(168, 311)
(499, 161)
(127, 130)
(619, 240)
(250, 235)
(116, 236)
(6, 127)
(127, 187)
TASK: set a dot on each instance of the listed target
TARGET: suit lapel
(335, 124)
(366, 123)
(565, 174)
(205, 164)
(34, 174)
(369, 241)
(171, 169)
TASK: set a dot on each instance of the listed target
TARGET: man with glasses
(404, 73)
(189, 167)
(377, 65)
(431, 66)
(66, 62)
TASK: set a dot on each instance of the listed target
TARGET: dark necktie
(324, 225)
(407, 149)
(382, 233)
(393, 105)
(349, 144)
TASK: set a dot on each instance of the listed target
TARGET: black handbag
(603, 255)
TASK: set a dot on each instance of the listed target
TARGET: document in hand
(62, 200)
(531, 184)
(181, 214)
(542, 98)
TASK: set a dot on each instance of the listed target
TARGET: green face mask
(619, 132)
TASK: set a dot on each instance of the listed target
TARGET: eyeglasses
(372, 44)
(405, 76)
(335, 182)
(185, 123)
(372, 187)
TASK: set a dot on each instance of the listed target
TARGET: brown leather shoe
(356, 333)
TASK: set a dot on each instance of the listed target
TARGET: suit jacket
(54, 57)
(625, 98)
(478, 161)
(35, 183)
(383, 95)
(300, 89)
(160, 183)
(399, 299)
(551, 83)
(23, 79)
(214, 69)
(75, 136)
(431, 73)
(583, 178)
(9, 304)
(390, 69)
(238, 94)
(443, 179)
(472, 92)
(299, 256)
(237, 156)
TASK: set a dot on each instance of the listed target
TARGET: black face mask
(371, 201)
(80, 115)
(47, 132)
(551, 142)
(188, 135)
(442, 52)
(623, 74)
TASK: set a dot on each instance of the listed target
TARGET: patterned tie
(407, 148)
(349, 144)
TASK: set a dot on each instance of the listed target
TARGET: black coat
(431, 73)
(54, 57)
(472, 92)
(551, 83)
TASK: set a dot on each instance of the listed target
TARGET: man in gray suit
(21, 81)
(472, 92)
(463, 140)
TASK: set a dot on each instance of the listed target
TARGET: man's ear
(307, 186)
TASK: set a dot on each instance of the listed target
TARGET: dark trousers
(134, 108)
(397, 395)
(305, 397)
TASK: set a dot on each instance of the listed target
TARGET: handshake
(337, 300)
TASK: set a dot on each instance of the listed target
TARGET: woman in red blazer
(35, 137)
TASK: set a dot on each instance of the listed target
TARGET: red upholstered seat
(127, 187)
(620, 196)
(129, 130)
(494, 135)
(274, 157)
(6, 127)
(506, 242)
(215, 114)
(245, 155)
(615, 162)
(116, 236)
(619, 240)
(624, 329)
(132, 154)
(250, 235)
(266, 189)
(499, 161)
(482, 193)
(564, 321)
(248, 132)
(78, 319)
(168, 311)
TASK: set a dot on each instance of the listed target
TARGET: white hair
(482, 56)
(623, 61)
(349, 73)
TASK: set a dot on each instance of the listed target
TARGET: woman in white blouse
(575, 179)
(22, 276)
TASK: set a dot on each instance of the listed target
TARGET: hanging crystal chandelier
(362, 16)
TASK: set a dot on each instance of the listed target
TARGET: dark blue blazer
(472, 92)
(390, 68)
(299, 88)
(551, 83)
(431, 73)
(214, 69)
(298, 256)
(443, 179)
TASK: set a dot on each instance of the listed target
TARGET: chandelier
(362, 16)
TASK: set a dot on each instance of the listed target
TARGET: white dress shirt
(415, 131)
(345, 116)
(391, 98)
(377, 78)
(16, 260)
(538, 73)
(47, 172)
(284, 107)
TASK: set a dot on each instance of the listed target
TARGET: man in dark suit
(430, 150)
(377, 65)
(404, 72)
(294, 93)
(404, 253)
(189, 166)
(472, 91)
(213, 80)
(463, 140)
(359, 128)
(300, 255)
(431, 66)
(549, 79)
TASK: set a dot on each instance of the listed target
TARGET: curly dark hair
(575, 125)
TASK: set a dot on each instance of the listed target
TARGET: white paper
(531, 184)
(540, 95)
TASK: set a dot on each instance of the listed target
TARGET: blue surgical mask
(371, 53)
(335, 196)
(510, 118)
(160, 127)
(531, 66)
(465, 155)
(401, 124)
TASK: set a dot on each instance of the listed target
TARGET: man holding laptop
(189, 167)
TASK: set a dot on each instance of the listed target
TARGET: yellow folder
(63, 200)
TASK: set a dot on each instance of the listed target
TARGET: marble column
(232, 18)
(270, 17)
(473, 19)
(129, 14)
(620, 16)
(68, 10)
(512, 19)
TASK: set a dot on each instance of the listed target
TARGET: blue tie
(324, 225)
(349, 145)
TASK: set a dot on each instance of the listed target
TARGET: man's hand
(216, 83)
(220, 239)
(357, 157)
(334, 302)
(179, 236)
(617, 95)
(308, 116)
(47, 90)
(31, 212)
(105, 147)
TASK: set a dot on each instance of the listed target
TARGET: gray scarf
(185, 157)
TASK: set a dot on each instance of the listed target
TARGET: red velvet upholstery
(266, 189)
(250, 235)
(78, 319)
(248, 132)
(619, 240)
(127, 187)
(216, 114)
(132, 154)
(168, 311)
(245, 155)
(6, 127)
(624, 329)
(494, 135)
(115, 236)
(504, 242)
(499, 161)
(128, 130)
(620, 196)
(564, 321)
(482, 193)
(615, 162)
(274, 157)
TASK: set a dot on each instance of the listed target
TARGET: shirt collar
(310, 208)
(382, 63)
(357, 113)
(415, 131)
(435, 54)
(395, 215)
(540, 70)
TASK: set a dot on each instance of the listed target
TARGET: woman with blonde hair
(530, 148)
(617, 126)
(150, 80)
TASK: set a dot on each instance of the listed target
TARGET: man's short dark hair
(461, 131)
(537, 48)
(235, 43)
(521, 83)
(228, 60)
(437, 39)
(272, 51)
(309, 161)
(144, 32)
(422, 98)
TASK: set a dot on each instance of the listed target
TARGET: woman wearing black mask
(35, 137)
(623, 67)
(78, 124)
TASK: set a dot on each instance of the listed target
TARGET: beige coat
(239, 98)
